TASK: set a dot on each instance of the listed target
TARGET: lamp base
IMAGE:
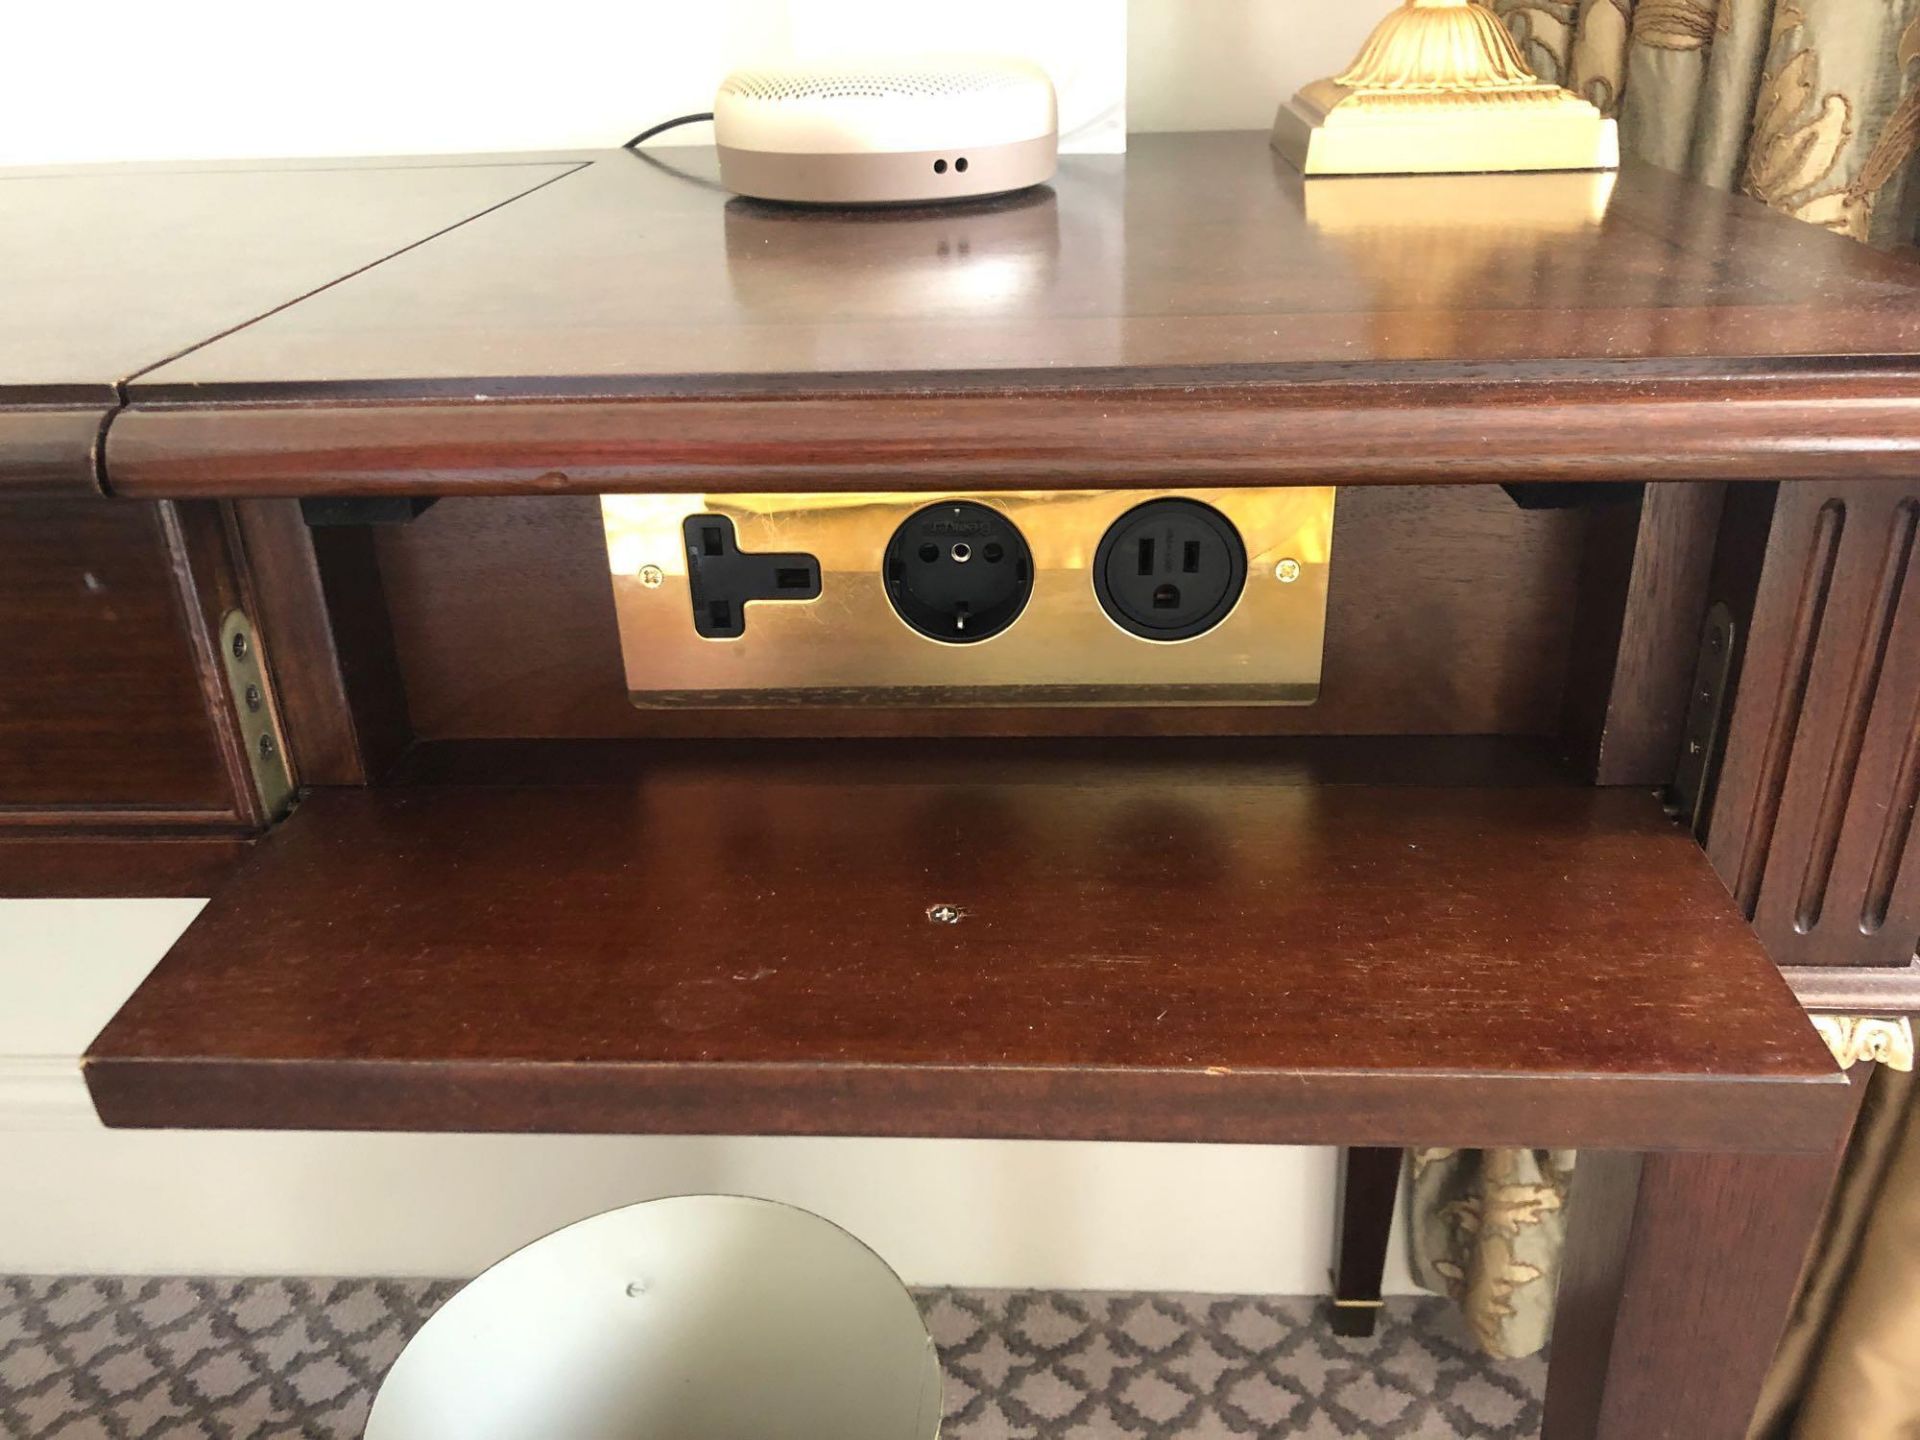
(1329, 129)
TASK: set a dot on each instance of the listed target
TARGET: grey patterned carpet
(144, 1359)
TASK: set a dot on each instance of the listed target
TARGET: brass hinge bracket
(259, 719)
(1701, 741)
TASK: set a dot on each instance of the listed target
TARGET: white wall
(211, 78)
(1034, 1214)
(207, 78)
(1227, 64)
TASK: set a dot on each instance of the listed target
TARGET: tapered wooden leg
(1679, 1274)
(1369, 1183)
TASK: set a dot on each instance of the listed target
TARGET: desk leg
(1369, 1184)
(1680, 1271)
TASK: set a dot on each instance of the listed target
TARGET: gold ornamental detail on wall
(1854, 1038)
(1441, 87)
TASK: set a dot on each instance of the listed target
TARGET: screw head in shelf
(944, 914)
(1287, 571)
(652, 576)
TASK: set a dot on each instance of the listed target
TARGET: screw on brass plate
(944, 914)
(651, 576)
(1287, 571)
(267, 747)
(253, 697)
(239, 644)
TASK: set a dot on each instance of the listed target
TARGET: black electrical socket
(1170, 569)
(958, 571)
(722, 579)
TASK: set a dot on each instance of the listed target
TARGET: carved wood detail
(1813, 827)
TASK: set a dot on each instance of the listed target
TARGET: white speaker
(886, 132)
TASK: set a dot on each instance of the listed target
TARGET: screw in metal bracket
(652, 576)
(1287, 571)
(241, 657)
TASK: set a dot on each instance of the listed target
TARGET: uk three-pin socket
(958, 572)
(722, 578)
(1170, 569)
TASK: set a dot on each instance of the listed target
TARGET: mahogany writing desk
(1441, 905)
(106, 272)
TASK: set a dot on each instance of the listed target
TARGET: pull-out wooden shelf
(1151, 945)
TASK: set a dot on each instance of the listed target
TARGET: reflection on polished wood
(1186, 310)
(1420, 240)
(1188, 251)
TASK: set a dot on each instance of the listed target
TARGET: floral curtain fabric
(1488, 1229)
(1812, 106)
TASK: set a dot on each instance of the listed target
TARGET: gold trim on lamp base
(1441, 88)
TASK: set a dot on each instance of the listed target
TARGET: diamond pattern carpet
(184, 1359)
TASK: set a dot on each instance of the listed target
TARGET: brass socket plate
(849, 646)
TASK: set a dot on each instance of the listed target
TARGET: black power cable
(665, 125)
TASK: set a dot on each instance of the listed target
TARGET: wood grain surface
(1190, 311)
(740, 939)
(101, 707)
(1644, 574)
(108, 270)
(338, 685)
(1377, 429)
(99, 865)
(1188, 251)
(1679, 1275)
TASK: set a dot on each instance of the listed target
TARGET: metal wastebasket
(700, 1317)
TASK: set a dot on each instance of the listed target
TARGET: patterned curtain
(1812, 106)
(1488, 1227)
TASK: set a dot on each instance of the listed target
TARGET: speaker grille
(873, 83)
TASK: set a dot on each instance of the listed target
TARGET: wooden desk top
(1189, 251)
(1190, 309)
(1152, 945)
(108, 271)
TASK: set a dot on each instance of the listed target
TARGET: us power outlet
(1204, 596)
